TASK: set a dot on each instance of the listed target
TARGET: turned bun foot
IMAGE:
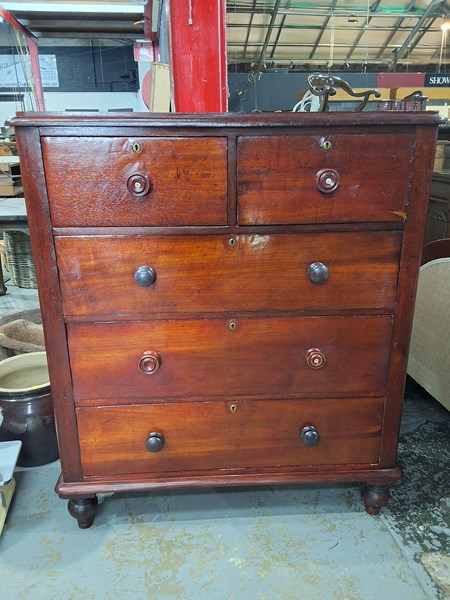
(375, 497)
(83, 510)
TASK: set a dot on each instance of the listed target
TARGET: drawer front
(103, 181)
(207, 274)
(208, 435)
(293, 179)
(183, 358)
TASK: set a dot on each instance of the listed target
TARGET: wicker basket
(20, 259)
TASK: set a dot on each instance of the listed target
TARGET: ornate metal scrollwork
(325, 86)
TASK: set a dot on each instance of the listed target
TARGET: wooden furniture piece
(227, 299)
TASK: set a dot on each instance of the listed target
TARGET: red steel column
(198, 55)
(34, 56)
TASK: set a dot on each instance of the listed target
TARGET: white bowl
(9, 452)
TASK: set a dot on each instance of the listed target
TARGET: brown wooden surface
(176, 121)
(205, 357)
(205, 274)
(207, 435)
(50, 299)
(277, 178)
(87, 181)
(384, 170)
(306, 474)
(409, 271)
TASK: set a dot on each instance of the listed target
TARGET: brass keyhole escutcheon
(136, 147)
(233, 408)
(327, 145)
(232, 242)
(233, 325)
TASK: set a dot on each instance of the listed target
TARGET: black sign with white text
(437, 80)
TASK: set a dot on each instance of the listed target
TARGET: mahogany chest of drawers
(226, 299)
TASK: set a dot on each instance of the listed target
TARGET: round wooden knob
(327, 180)
(310, 436)
(315, 358)
(318, 272)
(150, 362)
(144, 276)
(155, 442)
(138, 184)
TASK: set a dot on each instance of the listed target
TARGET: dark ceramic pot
(25, 398)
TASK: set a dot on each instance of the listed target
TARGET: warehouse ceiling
(265, 34)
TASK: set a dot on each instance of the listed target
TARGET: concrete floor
(284, 543)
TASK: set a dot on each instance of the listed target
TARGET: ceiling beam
(434, 4)
(325, 25)
(249, 28)
(421, 34)
(276, 8)
(363, 29)
(394, 32)
(280, 29)
(341, 12)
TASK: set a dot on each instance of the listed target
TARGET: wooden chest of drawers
(227, 299)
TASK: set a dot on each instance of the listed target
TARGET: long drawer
(229, 435)
(192, 358)
(136, 181)
(323, 179)
(217, 273)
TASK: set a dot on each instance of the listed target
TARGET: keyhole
(136, 147)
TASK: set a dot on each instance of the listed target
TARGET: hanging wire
(25, 61)
(19, 56)
(332, 31)
(443, 47)
(366, 36)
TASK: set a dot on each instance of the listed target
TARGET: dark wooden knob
(310, 436)
(318, 272)
(138, 184)
(327, 180)
(150, 362)
(144, 276)
(155, 442)
(315, 358)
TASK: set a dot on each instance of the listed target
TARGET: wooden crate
(10, 178)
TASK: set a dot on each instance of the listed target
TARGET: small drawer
(168, 274)
(136, 181)
(229, 435)
(238, 356)
(323, 179)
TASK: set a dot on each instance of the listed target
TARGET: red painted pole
(36, 70)
(34, 56)
(198, 60)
